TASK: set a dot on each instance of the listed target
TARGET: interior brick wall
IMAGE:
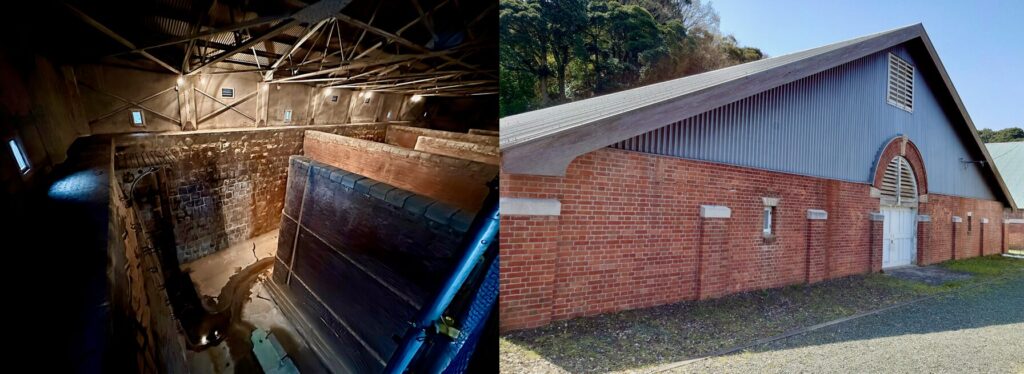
(629, 234)
(406, 136)
(225, 187)
(459, 182)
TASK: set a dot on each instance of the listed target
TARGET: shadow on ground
(645, 338)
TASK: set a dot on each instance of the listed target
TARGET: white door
(899, 243)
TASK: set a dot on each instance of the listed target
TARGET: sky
(980, 42)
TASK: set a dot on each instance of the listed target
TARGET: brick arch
(902, 146)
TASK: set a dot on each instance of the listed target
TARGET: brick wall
(630, 236)
(224, 187)
(406, 136)
(138, 294)
(969, 243)
(459, 182)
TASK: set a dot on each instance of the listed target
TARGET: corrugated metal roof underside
(524, 127)
(1009, 159)
(830, 125)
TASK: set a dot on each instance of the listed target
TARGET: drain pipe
(487, 230)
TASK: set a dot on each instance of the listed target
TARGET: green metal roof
(1009, 159)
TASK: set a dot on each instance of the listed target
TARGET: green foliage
(558, 51)
(1010, 134)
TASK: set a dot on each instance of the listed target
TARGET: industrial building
(850, 158)
(237, 186)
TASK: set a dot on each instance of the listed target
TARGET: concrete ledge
(924, 218)
(513, 206)
(876, 217)
(1014, 220)
(715, 211)
(817, 214)
(957, 219)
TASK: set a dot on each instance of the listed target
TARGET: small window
(389, 115)
(366, 100)
(137, 118)
(288, 115)
(970, 222)
(766, 228)
(900, 91)
(19, 156)
(227, 93)
(334, 98)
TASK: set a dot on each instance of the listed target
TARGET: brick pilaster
(924, 225)
(712, 271)
(877, 235)
(817, 244)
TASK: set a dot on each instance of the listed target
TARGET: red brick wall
(1015, 236)
(629, 235)
(942, 208)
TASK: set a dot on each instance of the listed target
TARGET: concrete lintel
(715, 211)
(770, 201)
(924, 218)
(922, 198)
(1014, 220)
(957, 219)
(984, 220)
(515, 206)
(876, 217)
(817, 214)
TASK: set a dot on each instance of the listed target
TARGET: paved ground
(933, 275)
(972, 331)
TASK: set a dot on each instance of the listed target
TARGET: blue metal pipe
(417, 334)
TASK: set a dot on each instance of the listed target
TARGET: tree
(524, 42)
(1010, 134)
(593, 47)
(566, 18)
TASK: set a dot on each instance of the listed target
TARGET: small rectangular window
(389, 115)
(766, 228)
(334, 98)
(19, 155)
(137, 118)
(288, 115)
(227, 92)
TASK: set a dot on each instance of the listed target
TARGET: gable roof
(1009, 159)
(545, 141)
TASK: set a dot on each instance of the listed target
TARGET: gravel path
(978, 330)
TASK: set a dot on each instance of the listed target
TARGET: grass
(636, 339)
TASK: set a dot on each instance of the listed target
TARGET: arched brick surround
(902, 146)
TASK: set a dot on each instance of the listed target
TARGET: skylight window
(227, 93)
(288, 115)
(137, 118)
(19, 156)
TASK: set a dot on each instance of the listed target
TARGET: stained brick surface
(225, 187)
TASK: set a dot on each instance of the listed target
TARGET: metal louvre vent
(898, 184)
(901, 84)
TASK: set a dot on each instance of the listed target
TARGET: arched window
(899, 188)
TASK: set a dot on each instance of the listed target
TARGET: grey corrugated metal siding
(829, 125)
